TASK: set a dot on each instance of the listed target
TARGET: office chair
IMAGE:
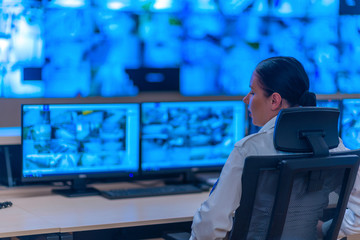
(284, 196)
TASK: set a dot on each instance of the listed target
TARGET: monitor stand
(189, 177)
(77, 189)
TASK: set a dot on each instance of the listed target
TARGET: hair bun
(307, 99)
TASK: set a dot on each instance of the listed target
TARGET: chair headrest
(294, 125)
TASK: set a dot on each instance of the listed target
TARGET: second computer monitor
(179, 136)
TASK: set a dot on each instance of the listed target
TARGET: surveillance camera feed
(186, 135)
(74, 139)
(350, 124)
(331, 103)
(218, 43)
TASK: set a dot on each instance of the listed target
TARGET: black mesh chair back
(284, 196)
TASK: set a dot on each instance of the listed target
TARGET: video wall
(111, 48)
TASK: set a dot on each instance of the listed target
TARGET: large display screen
(65, 141)
(185, 135)
(218, 43)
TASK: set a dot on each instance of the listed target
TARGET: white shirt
(351, 221)
(214, 218)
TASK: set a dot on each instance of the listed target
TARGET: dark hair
(286, 76)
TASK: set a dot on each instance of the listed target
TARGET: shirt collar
(269, 125)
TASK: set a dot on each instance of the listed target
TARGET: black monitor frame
(79, 180)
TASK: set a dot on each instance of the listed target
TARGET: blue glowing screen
(215, 43)
(350, 124)
(331, 103)
(184, 135)
(61, 139)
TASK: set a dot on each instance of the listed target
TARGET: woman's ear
(276, 101)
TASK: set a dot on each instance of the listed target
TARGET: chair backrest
(284, 196)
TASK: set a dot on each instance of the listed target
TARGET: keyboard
(150, 191)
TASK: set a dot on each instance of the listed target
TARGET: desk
(16, 221)
(36, 210)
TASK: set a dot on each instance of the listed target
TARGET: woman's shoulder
(255, 138)
(340, 148)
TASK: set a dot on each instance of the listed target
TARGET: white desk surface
(36, 210)
(16, 221)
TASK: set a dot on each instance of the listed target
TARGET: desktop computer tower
(10, 165)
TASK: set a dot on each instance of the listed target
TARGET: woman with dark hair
(286, 76)
(276, 83)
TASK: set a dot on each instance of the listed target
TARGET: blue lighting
(216, 43)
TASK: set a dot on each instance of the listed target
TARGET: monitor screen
(179, 136)
(218, 43)
(331, 103)
(70, 141)
(350, 123)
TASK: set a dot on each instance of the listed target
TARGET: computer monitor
(350, 123)
(331, 103)
(189, 136)
(78, 142)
